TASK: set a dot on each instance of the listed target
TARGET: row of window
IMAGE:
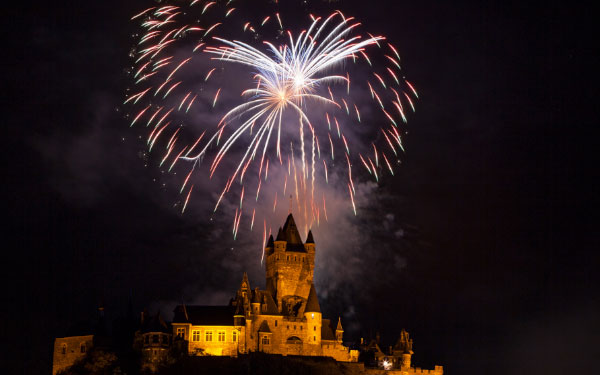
(296, 258)
(208, 335)
(82, 348)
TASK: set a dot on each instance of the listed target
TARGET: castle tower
(403, 348)
(339, 331)
(312, 314)
(289, 266)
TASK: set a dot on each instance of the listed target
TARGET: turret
(256, 302)
(309, 245)
(270, 246)
(339, 331)
(312, 314)
(404, 348)
(280, 242)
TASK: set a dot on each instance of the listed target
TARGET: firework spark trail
(291, 77)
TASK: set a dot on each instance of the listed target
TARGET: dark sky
(484, 245)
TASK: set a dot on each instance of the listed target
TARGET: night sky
(483, 246)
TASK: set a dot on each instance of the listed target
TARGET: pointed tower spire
(339, 331)
(312, 303)
(184, 309)
(309, 238)
(280, 235)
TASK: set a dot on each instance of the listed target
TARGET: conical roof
(339, 325)
(280, 235)
(270, 243)
(309, 238)
(290, 231)
(312, 303)
(256, 296)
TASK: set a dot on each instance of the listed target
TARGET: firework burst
(304, 91)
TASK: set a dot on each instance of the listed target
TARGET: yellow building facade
(284, 319)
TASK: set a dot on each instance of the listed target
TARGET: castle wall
(291, 272)
(68, 350)
(221, 340)
(438, 370)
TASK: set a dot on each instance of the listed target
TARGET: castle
(284, 319)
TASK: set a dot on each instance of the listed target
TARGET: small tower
(256, 302)
(309, 246)
(339, 331)
(403, 349)
(312, 314)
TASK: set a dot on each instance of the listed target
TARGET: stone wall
(68, 350)
(438, 370)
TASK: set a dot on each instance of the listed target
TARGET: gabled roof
(312, 303)
(264, 327)
(326, 331)
(205, 315)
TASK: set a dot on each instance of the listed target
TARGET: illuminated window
(312, 315)
(82, 348)
(234, 336)
(221, 336)
(265, 340)
(196, 335)
(209, 335)
(181, 332)
(64, 348)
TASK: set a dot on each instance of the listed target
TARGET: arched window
(64, 348)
